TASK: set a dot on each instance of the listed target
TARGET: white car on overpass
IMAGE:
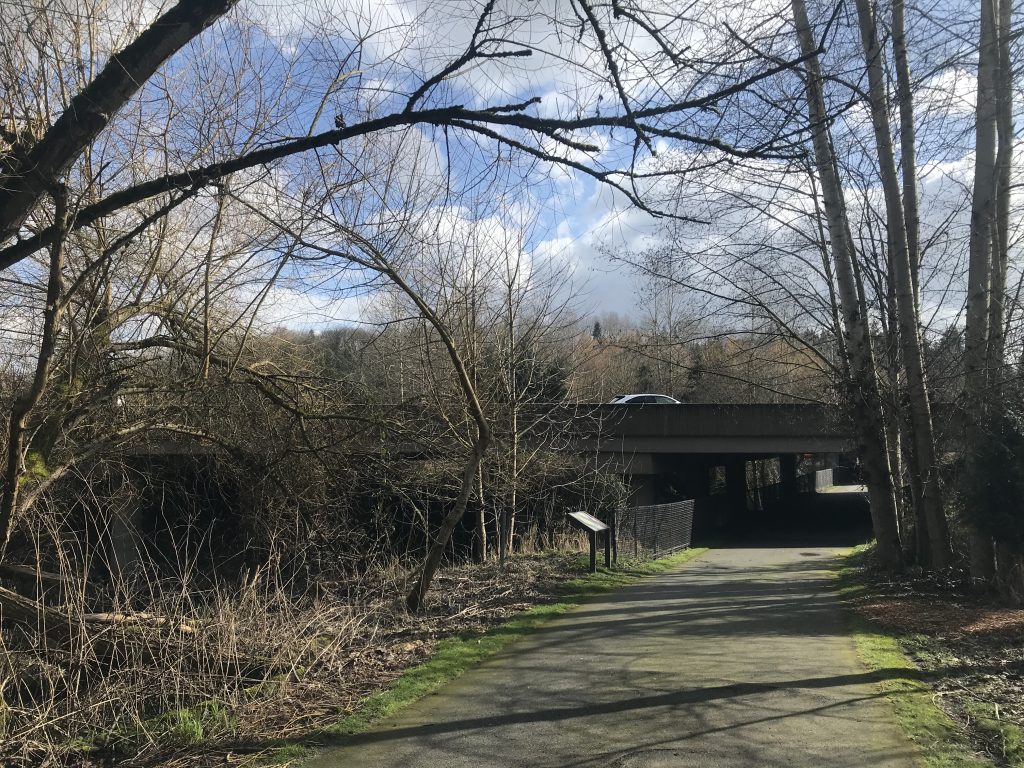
(643, 398)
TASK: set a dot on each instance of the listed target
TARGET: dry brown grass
(234, 667)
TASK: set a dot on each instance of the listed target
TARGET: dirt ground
(971, 646)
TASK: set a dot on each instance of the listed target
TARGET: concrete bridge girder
(747, 445)
(769, 430)
(673, 447)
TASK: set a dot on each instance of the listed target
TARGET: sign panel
(588, 521)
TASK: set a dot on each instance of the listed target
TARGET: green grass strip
(456, 655)
(942, 743)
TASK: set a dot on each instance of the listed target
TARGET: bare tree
(883, 268)
(984, 350)
(34, 163)
(128, 186)
(924, 454)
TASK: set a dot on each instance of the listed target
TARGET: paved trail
(739, 659)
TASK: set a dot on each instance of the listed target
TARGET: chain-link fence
(654, 530)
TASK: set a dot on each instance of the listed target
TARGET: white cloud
(309, 309)
(953, 91)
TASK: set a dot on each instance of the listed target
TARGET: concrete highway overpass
(750, 429)
(645, 439)
(669, 451)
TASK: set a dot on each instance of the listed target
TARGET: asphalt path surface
(741, 658)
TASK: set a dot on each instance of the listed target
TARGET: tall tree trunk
(480, 437)
(894, 443)
(829, 272)
(1001, 225)
(414, 600)
(908, 146)
(921, 539)
(223, 190)
(870, 429)
(481, 520)
(513, 501)
(893, 403)
(979, 276)
(479, 442)
(508, 516)
(923, 436)
(1010, 565)
(912, 220)
(14, 474)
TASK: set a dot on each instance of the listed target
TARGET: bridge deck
(705, 428)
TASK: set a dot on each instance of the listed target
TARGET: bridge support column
(736, 492)
(787, 476)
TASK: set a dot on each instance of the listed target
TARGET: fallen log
(141, 618)
(20, 611)
(27, 574)
(67, 631)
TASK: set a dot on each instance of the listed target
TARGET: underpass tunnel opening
(743, 498)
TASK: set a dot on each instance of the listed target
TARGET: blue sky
(575, 220)
(307, 62)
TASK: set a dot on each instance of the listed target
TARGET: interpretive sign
(588, 521)
(593, 526)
